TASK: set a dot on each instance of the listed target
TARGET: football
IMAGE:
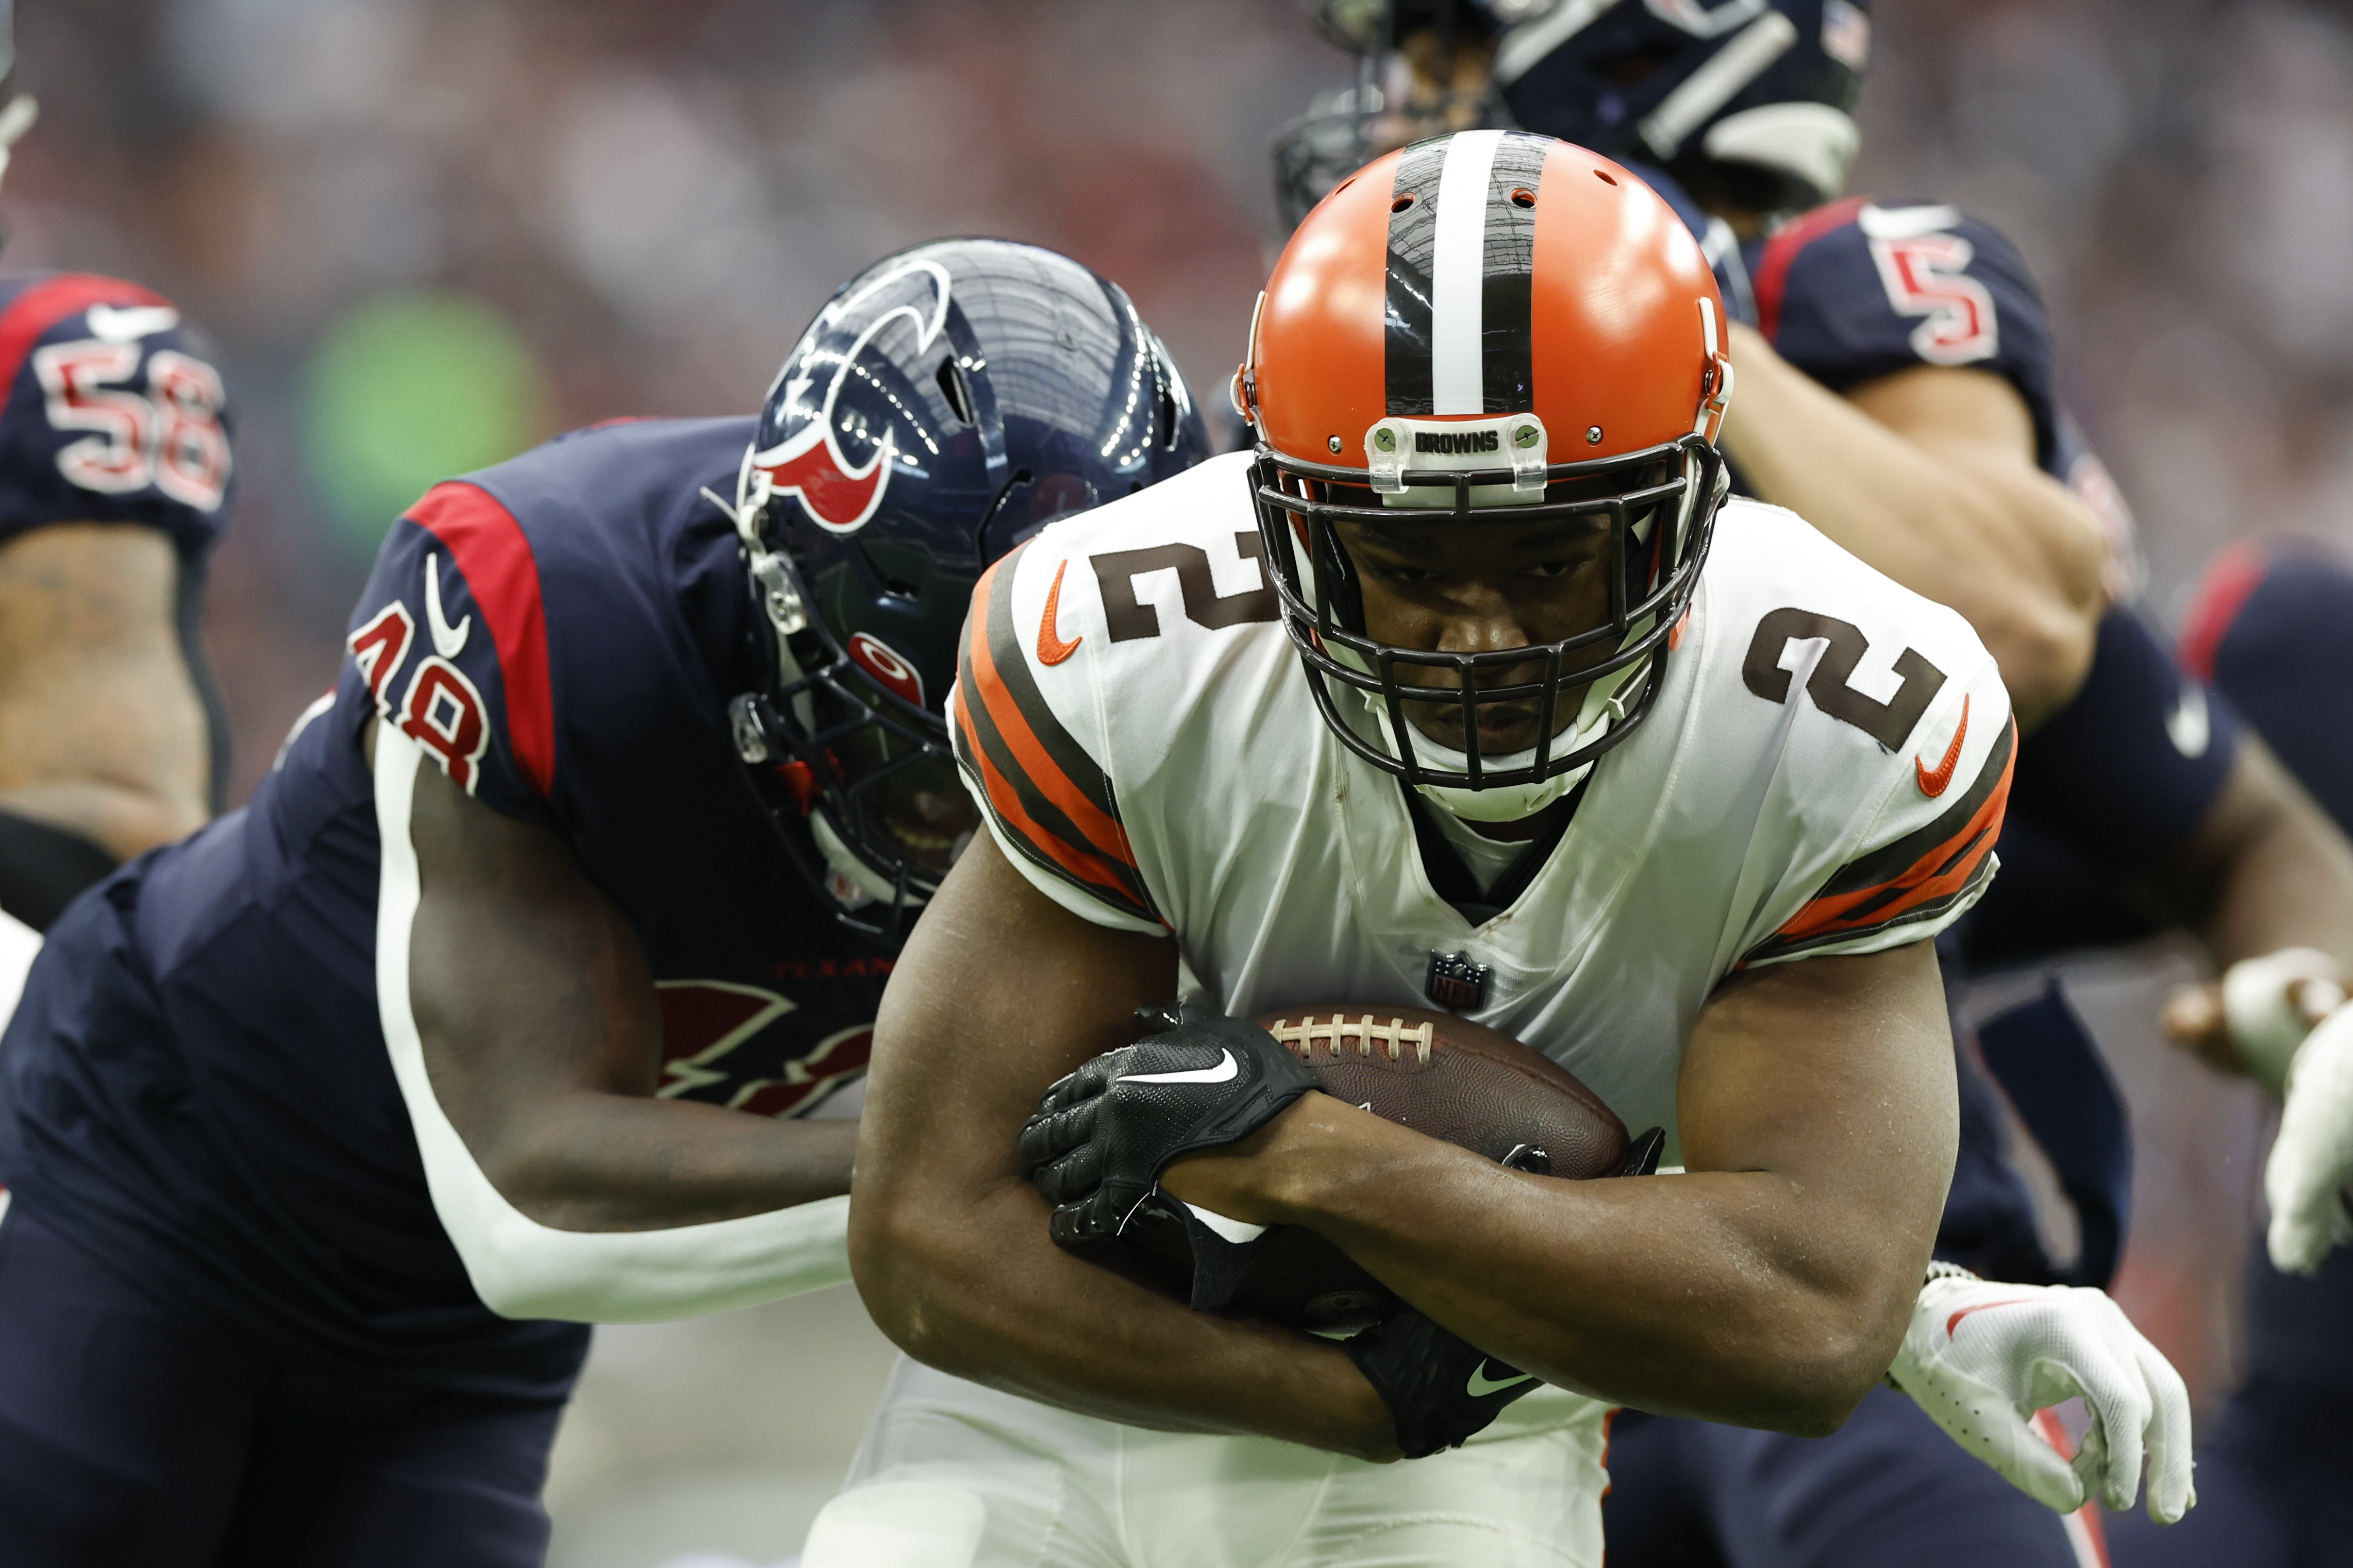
(1437, 1074)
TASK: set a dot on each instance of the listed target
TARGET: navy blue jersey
(196, 1076)
(115, 412)
(1866, 286)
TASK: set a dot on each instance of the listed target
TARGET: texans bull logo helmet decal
(839, 495)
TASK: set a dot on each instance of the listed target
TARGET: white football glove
(1982, 1358)
(2312, 1159)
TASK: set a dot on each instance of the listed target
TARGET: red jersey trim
(490, 550)
(51, 301)
(1772, 279)
(2235, 574)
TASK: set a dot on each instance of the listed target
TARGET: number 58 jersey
(1825, 772)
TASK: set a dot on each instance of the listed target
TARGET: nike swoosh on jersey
(447, 640)
(1051, 649)
(2188, 726)
(1481, 1384)
(129, 323)
(1933, 784)
(1981, 1306)
(1226, 1071)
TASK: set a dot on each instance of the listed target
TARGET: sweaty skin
(542, 1038)
(101, 731)
(1005, 992)
(1769, 1288)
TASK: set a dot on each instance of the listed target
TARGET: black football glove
(1440, 1387)
(1103, 1136)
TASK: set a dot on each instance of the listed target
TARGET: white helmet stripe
(1716, 83)
(1458, 276)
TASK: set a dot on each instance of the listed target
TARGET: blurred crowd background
(427, 233)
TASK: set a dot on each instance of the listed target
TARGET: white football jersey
(1824, 770)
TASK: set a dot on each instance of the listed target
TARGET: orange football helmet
(1491, 326)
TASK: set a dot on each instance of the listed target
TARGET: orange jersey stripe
(1004, 800)
(1102, 832)
(1943, 871)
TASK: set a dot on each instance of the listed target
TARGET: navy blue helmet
(1754, 97)
(946, 404)
(1761, 87)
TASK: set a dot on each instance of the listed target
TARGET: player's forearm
(971, 1284)
(591, 1161)
(1733, 1296)
(2287, 879)
(2005, 546)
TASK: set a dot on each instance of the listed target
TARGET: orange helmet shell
(1488, 273)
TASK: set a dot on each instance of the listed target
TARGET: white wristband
(520, 1267)
(2267, 1027)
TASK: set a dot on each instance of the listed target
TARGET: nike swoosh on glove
(1103, 1136)
(1440, 1387)
(1982, 1357)
(2311, 1161)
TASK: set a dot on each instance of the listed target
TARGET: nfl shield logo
(1455, 983)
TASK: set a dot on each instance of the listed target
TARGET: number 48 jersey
(1825, 772)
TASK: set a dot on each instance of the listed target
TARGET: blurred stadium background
(428, 232)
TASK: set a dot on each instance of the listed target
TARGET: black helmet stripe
(1507, 291)
(1413, 231)
(1460, 256)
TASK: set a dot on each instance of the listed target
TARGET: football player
(494, 1013)
(1442, 693)
(114, 459)
(2269, 627)
(115, 467)
(1899, 395)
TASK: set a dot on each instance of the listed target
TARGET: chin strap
(1604, 706)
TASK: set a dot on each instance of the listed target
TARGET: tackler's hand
(1103, 1136)
(2310, 1171)
(1983, 1359)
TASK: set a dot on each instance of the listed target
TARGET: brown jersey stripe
(1107, 882)
(1932, 883)
(1778, 946)
(1892, 861)
(1063, 814)
(1052, 757)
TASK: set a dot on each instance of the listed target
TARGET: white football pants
(952, 1475)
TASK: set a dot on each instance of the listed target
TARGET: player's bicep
(1000, 991)
(527, 984)
(1835, 1073)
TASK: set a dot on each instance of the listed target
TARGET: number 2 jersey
(196, 1086)
(1825, 772)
